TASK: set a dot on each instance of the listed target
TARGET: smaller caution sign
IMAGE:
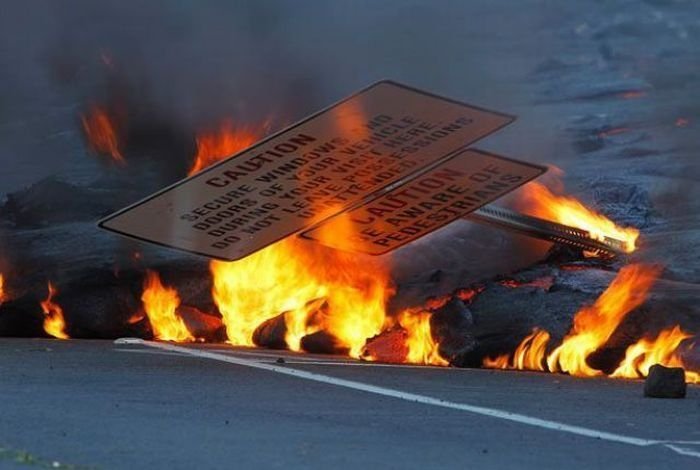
(451, 190)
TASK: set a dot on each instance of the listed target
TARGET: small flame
(101, 133)
(646, 352)
(539, 201)
(3, 295)
(529, 354)
(54, 322)
(422, 347)
(160, 304)
(226, 141)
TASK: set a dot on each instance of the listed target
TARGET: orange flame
(539, 201)
(287, 277)
(160, 304)
(54, 322)
(640, 356)
(594, 324)
(422, 347)
(225, 142)
(3, 295)
(529, 354)
(101, 133)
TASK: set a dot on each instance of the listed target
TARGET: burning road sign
(445, 193)
(375, 140)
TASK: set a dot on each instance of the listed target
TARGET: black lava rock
(665, 382)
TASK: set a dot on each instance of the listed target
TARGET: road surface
(98, 404)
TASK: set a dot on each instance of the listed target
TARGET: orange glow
(529, 354)
(101, 134)
(640, 356)
(632, 94)
(594, 324)
(3, 295)
(539, 201)
(422, 348)
(296, 277)
(54, 322)
(160, 304)
(225, 142)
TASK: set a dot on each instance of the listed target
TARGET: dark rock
(22, 317)
(52, 201)
(665, 382)
(451, 328)
(322, 342)
(202, 325)
(271, 333)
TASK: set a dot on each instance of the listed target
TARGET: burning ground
(560, 311)
(572, 312)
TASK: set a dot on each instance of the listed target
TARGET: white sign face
(447, 192)
(307, 172)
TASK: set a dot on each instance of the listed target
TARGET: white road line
(675, 446)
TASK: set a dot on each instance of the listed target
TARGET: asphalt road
(103, 405)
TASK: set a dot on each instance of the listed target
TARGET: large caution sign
(432, 200)
(306, 173)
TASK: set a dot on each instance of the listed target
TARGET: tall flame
(646, 352)
(288, 277)
(101, 133)
(224, 142)
(160, 304)
(2, 289)
(539, 201)
(594, 324)
(422, 347)
(54, 322)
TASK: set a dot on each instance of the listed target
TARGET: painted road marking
(679, 447)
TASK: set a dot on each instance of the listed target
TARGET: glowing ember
(286, 277)
(226, 141)
(422, 348)
(640, 356)
(54, 322)
(682, 122)
(160, 304)
(632, 94)
(101, 134)
(3, 295)
(539, 201)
